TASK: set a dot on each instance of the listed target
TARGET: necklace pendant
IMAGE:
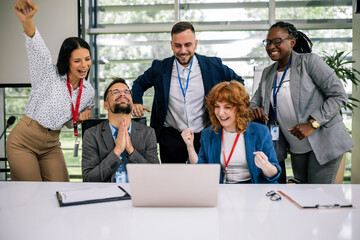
(224, 178)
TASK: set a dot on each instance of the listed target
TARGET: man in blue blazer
(180, 83)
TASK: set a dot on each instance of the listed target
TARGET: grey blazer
(99, 162)
(317, 93)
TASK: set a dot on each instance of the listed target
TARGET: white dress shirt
(182, 115)
(49, 100)
(238, 169)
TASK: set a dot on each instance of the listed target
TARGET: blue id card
(274, 130)
(120, 177)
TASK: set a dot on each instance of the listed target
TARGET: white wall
(56, 20)
(355, 154)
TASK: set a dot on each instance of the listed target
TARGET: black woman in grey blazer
(304, 104)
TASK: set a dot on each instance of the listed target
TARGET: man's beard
(119, 108)
(185, 63)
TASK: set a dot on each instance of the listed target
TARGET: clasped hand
(300, 131)
(123, 141)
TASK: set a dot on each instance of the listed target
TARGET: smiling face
(79, 63)
(183, 46)
(226, 114)
(281, 53)
(119, 99)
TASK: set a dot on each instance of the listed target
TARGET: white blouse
(49, 101)
(238, 169)
(182, 115)
(286, 115)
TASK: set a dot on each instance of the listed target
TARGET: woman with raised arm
(300, 96)
(244, 149)
(60, 95)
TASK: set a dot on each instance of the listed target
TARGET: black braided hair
(303, 42)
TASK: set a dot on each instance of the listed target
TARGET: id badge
(274, 132)
(76, 147)
(224, 177)
(120, 177)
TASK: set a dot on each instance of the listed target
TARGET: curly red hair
(235, 94)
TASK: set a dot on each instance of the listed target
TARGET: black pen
(328, 206)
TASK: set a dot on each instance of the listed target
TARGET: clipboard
(91, 195)
(315, 198)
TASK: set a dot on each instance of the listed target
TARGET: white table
(30, 210)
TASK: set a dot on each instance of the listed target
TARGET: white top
(49, 100)
(238, 169)
(286, 115)
(182, 115)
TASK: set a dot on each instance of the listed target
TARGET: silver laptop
(174, 185)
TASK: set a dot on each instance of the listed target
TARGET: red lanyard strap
(75, 112)
(232, 149)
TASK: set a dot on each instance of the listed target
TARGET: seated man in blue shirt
(110, 145)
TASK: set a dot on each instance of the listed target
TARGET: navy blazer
(257, 138)
(159, 77)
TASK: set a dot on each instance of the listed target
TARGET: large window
(15, 103)
(128, 35)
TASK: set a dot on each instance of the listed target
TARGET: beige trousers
(34, 153)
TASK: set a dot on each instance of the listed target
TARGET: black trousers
(282, 178)
(172, 146)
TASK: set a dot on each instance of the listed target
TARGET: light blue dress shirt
(120, 175)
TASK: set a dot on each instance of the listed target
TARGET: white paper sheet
(91, 194)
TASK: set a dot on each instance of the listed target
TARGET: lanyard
(276, 90)
(232, 149)
(187, 80)
(75, 112)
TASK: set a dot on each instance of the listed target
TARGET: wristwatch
(314, 123)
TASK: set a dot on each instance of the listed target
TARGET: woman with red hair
(244, 149)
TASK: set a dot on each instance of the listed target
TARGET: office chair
(90, 123)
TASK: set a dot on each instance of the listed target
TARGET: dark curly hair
(235, 94)
(303, 42)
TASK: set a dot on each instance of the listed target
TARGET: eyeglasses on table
(273, 195)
